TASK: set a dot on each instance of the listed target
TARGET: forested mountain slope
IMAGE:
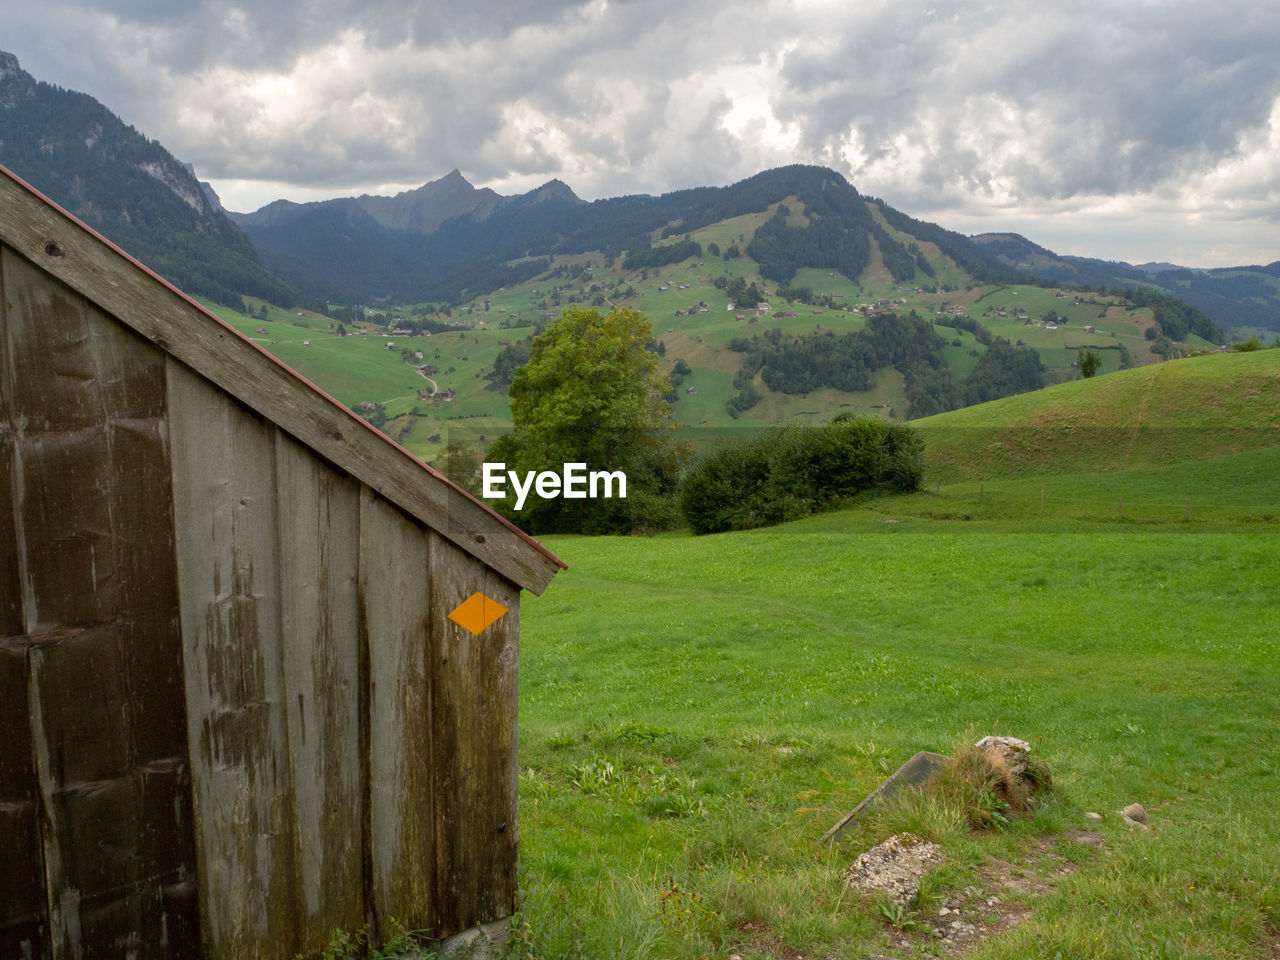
(129, 188)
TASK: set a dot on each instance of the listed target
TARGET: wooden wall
(95, 817)
(237, 716)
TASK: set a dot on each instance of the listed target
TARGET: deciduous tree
(591, 393)
(1089, 361)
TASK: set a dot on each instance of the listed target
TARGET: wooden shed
(236, 715)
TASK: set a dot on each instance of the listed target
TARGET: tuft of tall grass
(978, 790)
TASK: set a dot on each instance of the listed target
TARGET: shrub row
(786, 473)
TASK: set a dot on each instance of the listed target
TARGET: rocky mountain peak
(557, 189)
(9, 65)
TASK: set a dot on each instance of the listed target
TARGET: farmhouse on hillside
(237, 712)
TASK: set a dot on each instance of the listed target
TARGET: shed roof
(63, 246)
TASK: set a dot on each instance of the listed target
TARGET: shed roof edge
(474, 524)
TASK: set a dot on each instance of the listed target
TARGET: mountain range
(448, 241)
(129, 188)
(1234, 297)
(424, 244)
(414, 211)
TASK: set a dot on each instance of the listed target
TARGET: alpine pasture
(696, 712)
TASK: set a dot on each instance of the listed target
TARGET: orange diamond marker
(477, 612)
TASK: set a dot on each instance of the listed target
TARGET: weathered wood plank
(138, 474)
(72, 366)
(319, 523)
(11, 623)
(24, 914)
(85, 384)
(473, 711)
(67, 250)
(98, 599)
(394, 563)
(117, 828)
(24, 909)
(224, 488)
(66, 522)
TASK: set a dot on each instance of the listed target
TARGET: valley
(694, 320)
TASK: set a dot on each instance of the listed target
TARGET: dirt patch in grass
(1003, 899)
(1090, 838)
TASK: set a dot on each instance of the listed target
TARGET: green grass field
(1232, 492)
(1165, 413)
(696, 712)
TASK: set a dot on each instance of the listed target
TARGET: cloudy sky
(1126, 130)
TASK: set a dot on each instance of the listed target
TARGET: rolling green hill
(694, 318)
(1241, 300)
(1177, 412)
(782, 294)
(747, 303)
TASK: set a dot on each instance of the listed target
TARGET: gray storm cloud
(976, 109)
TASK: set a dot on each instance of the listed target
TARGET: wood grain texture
(24, 916)
(319, 526)
(224, 485)
(394, 566)
(11, 622)
(24, 919)
(473, 711)
(69, 251)
(87, 482)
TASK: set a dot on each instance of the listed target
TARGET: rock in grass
(1023, 774)
(1135, 811)
(1134, 817)
(1090, 838)
(1015, 753)
(893, 867)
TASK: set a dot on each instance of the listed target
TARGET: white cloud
(1118, 125)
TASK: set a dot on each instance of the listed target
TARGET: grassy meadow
(1166, 413)
(697, 712)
